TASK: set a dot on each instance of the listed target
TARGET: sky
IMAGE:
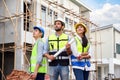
(104, 12)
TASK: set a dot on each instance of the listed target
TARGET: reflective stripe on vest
(33, 60)
(83, 62)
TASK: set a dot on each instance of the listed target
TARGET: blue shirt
(40, 49)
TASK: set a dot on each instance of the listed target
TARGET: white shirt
(76, 54)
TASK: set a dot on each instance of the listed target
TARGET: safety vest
(55, 44)
(83, 62)
(33, 60)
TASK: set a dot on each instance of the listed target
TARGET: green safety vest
(56, 43)
(33, 60)
(79, 46)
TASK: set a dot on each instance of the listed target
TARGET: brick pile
(18, 75)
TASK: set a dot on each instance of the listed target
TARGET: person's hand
(51, 57)
(33, 75)
(68, 49)
(84, 54)
(80, 57)
(67, 46)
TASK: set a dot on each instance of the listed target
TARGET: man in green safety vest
(38, 65)
(55, 42)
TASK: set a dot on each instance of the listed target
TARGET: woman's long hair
(84, 40)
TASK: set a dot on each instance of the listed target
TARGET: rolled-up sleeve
(40, 52)
(74, 49)
(46, 47)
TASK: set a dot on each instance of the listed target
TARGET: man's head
(38, 31)
(59, 24)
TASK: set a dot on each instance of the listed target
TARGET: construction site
(17, 18)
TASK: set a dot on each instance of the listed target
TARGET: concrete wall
(117, 40)
(8, 25)
(117, 71)
(10, 28)
(13, 31)
(72, 6)
(2, 24)
(68, 4)
(104, 37)
(105, 71)
(2, 32)
(1, 9)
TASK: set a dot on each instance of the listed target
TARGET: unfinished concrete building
(17, 18)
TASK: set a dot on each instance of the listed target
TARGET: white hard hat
(61, 20)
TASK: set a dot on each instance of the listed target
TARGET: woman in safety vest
(81, 53)
(38, 62)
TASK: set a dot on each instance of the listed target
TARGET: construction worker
(80, 63)
(55, 42)
(38, 62)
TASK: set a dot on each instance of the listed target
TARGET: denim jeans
(81, 74)
(56, 71)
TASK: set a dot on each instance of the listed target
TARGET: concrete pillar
(19, 57)
(102, 73)
(38, 11)
(111, 66)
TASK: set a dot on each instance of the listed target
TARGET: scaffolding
(29, 16)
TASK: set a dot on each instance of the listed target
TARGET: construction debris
(18, 75)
